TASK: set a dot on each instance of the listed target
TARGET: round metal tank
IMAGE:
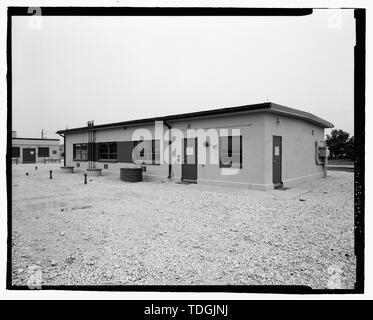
(131, 174)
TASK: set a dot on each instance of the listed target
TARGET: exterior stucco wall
(251, 128)
(256, 129)
(70, 140)
(298, 148)
(157, 172)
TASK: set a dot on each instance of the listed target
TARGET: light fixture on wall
(278, 121)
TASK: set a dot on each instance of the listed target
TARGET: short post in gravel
(50, 174)
(85, 178)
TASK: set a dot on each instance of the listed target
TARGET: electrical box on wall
(323, 152)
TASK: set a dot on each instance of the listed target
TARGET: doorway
(277, 161)
(28, 155)
(189, 164)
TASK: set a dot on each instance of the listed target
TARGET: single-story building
(258, 146)
(33, 150)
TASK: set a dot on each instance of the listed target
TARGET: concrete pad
(288, 194)
(350, 166)
(67, 169)
(345, 167)
(255, 194)
(94, 172)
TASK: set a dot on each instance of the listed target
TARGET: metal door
(277, 161)
(28, 155)
(189, 165)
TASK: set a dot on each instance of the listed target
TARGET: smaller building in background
(62, 150)
(33, 150)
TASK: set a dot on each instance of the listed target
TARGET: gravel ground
(111, 232)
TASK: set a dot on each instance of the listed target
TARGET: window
(107, 151)
(16, 152)
(230, 152)
(147, 152)
(43, 152)
(54, 151)
(80, 151)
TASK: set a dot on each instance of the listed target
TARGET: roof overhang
(265, 107)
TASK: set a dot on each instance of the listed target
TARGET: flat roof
(40, 139)
(265, 107)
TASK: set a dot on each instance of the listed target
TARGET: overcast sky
(108, 69)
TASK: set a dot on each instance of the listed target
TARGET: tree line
(341, 145)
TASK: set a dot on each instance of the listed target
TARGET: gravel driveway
(111, 232)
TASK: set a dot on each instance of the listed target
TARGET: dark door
(189, 165)
(277, 161)
(28, 155)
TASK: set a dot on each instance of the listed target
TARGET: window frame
(230, 152)
(18, 152)
(78, 146)
(108, 153)
(43, 149)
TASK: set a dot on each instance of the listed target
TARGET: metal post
(50, 174)
(85, 178)
(325, 167)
